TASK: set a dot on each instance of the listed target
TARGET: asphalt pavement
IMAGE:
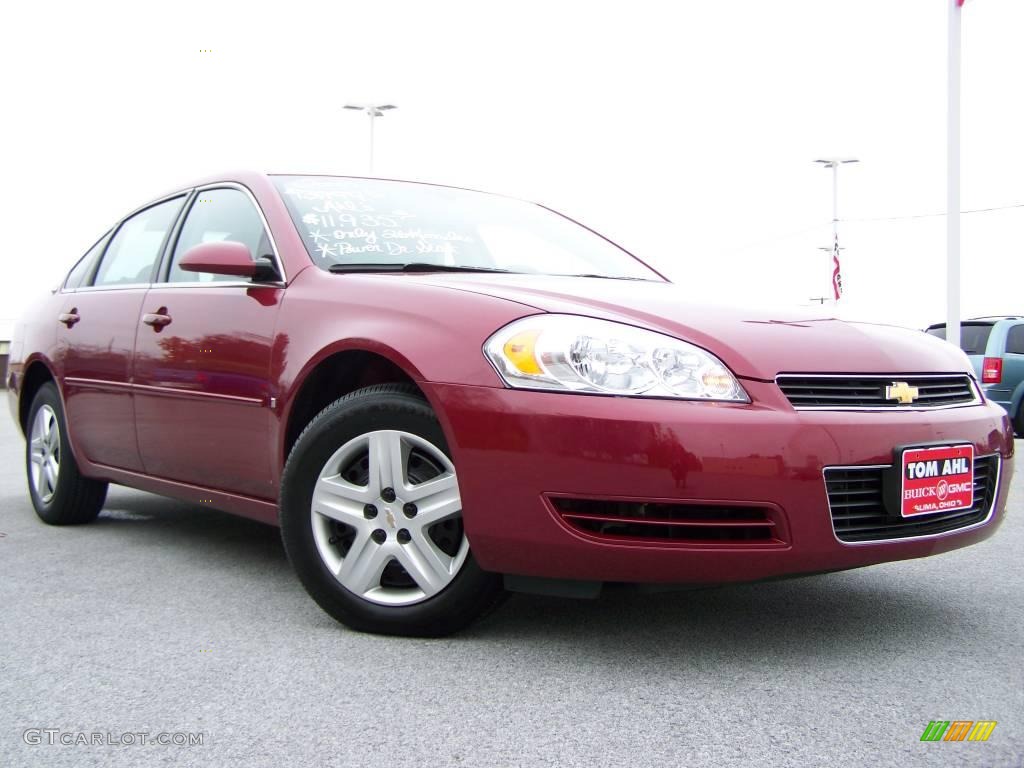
(165, 620)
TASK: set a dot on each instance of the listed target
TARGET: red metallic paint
(203, 380)
(530, 444)
(199, 409)
(395, 316)
(221, 257)
(94, 361)
(753, 343)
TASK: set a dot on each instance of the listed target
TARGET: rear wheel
(371, 518)
(60, 493)
(1018, 422)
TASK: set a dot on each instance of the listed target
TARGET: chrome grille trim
(866, 392)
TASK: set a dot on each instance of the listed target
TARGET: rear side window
(84, 266)
(135, 248)
(1015, 340)
(219, 214)
(973, 336)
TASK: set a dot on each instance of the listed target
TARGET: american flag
(837, 278)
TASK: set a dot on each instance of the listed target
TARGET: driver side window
(219, 214)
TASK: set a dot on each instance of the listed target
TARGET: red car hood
(753, 343)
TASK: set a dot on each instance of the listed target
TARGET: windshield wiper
(415, 266)
(614, 277)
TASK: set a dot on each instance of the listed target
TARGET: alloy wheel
(44, 452)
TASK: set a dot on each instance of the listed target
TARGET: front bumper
(516, 449)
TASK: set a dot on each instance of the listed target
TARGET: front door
(203, 359)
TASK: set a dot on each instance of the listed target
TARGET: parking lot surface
(165, 618)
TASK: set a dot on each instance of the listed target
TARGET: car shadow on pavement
(195, 527)
(831, 615)
(878, 609)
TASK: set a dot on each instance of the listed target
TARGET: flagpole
(835, 224)
(834, 163)
(835, 200)
(953, 179)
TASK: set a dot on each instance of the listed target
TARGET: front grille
(869, 391)
(665, 523)
(859, 514)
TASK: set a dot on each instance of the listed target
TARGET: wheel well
(335, 377)
(36, 375)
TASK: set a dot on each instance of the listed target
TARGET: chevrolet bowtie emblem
(900, 390)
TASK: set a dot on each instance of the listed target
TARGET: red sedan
(441, 394)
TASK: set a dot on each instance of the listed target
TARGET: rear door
(202, 376)
(96, 335)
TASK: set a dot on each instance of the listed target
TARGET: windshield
(367, 222)
(973, 337)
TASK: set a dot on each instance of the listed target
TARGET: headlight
(567, 353)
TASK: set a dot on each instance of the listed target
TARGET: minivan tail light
(992, 370)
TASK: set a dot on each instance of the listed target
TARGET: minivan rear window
(973, 336)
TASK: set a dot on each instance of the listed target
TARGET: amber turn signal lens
(520, 352)
(718, 383)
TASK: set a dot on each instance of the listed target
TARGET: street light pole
(372, 116)
(953, 178)
(374, 111)
(834, 163)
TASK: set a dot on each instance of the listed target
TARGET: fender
(291, 391)
(339, 313)
(17, 401)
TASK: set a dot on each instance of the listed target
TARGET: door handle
(69, 318)
(157, 319)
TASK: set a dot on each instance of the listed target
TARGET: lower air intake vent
(665, 523)
(858, 509)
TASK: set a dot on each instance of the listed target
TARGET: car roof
(256, 178)
(983, 320)
(964, 322)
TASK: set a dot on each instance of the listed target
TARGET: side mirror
(226, 257)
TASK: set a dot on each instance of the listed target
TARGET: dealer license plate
(937, 480)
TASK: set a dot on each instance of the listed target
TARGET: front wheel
(371, 518)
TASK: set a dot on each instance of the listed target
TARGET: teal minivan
(996, 347)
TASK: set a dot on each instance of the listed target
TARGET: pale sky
(685, 131)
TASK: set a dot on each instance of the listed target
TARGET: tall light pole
(834, 163)
(953, 178)
(374, 111)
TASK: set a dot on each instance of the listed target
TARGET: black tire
(76, 499)
(1018, 421)
(470, 594)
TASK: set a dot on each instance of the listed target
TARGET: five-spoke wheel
(44, 453)
(386, 518)
(372, 519)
